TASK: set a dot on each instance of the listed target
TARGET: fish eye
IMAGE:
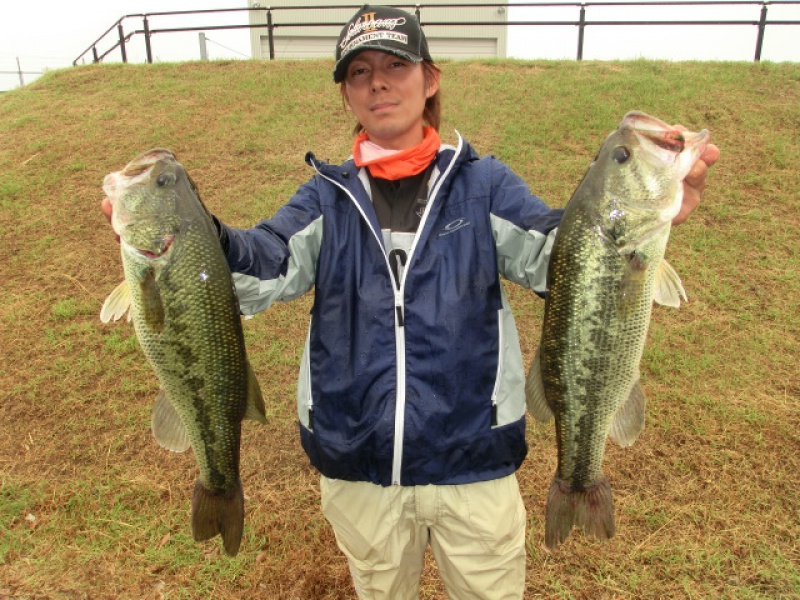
(166, 179)
(620, 154)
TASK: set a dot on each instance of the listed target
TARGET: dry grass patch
(90, 507)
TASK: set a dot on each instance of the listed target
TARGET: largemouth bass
(179, 293)
(606, 269)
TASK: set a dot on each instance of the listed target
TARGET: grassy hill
(90, 507)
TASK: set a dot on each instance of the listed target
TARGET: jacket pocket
(498, 378)
(508, 395)
(305, 398)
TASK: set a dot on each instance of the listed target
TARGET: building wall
(297, 33)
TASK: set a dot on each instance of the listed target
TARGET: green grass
(90, 507)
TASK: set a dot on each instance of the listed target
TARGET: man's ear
(432, 83)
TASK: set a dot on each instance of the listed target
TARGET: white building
(297, 35)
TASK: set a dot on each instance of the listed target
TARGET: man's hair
(432, 114)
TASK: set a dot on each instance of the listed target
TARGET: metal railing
(581, 23)
(19, 73)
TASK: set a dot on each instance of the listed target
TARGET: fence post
(581, 28)
(203, 48)
(270, 38)
(762, 24)
(147, 41)
(416, 14)
(95, 58)
(19, 70)
(122, 43)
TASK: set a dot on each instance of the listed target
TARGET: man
(411, 389)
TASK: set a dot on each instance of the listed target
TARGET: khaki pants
(476, 533)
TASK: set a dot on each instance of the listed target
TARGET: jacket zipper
(400, 404)
(400, 401)
(400, 340)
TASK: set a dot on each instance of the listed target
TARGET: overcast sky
(50, 34)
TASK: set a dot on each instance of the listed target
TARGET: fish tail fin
(221, 514)
(591, 509)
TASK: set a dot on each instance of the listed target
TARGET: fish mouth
(671, 141)
(655, 131)
(145, 161)
(664, 142)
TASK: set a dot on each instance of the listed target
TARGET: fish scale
(606, 259)
(602, 355)
(183, 305)
(198, 352)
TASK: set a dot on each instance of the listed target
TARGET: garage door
(460, 48)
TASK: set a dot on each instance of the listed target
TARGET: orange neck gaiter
(400, 164)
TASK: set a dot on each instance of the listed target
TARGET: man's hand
(695, 182)
(107, 210)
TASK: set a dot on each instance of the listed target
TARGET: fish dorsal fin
(255, 410)
(534, 391)
(628, 421)
(117, 304)
(667, 287)
(168, 429)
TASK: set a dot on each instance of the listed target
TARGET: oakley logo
(454, 226)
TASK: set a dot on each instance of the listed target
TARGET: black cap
(380, 28)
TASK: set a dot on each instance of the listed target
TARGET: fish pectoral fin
(667, 287)
(152, 305)
(117, 304)
(534, 391)
(628, 421)
(168, 429)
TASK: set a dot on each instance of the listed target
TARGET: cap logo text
(368, 23)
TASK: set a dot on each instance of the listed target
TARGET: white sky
(50, 34)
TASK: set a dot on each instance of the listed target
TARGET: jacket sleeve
(523, 226)
(276, 259)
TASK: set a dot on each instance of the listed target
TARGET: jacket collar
(347, 172)
(346, 176)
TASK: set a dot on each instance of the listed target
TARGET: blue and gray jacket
(418, 378)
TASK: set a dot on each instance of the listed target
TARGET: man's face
(387, 94)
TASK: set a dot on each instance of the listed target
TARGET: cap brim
(340, 72)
